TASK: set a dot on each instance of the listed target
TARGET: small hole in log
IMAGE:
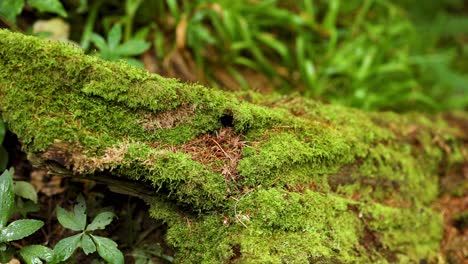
(227, 120)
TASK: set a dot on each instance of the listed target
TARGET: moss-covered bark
(238, 178)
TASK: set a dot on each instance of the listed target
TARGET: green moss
(175, 173)
(276, 226)
(284, 152)
(411, 233)
(315, 183)
(394, 168)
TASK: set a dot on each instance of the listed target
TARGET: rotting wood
(292, 180)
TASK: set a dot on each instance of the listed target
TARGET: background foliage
(372, 54)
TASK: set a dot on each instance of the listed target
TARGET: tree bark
(239, 177)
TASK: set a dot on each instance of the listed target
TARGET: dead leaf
(46, 184)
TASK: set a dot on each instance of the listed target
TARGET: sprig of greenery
(114, 50)
(12, 8)
(76, 220)
(20, 228)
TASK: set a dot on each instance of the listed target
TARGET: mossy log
(238, 178)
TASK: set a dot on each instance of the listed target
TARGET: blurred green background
(399, 55)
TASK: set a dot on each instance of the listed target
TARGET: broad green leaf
(75, 220)
(19, 229)
(7, 196)
(80, 211)
(108, 250)
(67, 219)
(3, 158)
(101, 221)
(10, 9)
(52, 6)
(132, 47)
(25, 190)
(87, 244)
(114, 36)
(98, 41)
(34, 254)
(65, 247)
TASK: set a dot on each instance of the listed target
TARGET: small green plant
(20, 228)
(114, 50)
(137, 237)
(76, 220)
(11, 8)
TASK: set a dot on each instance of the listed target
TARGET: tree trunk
(237, 177)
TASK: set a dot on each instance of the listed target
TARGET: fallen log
(237, 177)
